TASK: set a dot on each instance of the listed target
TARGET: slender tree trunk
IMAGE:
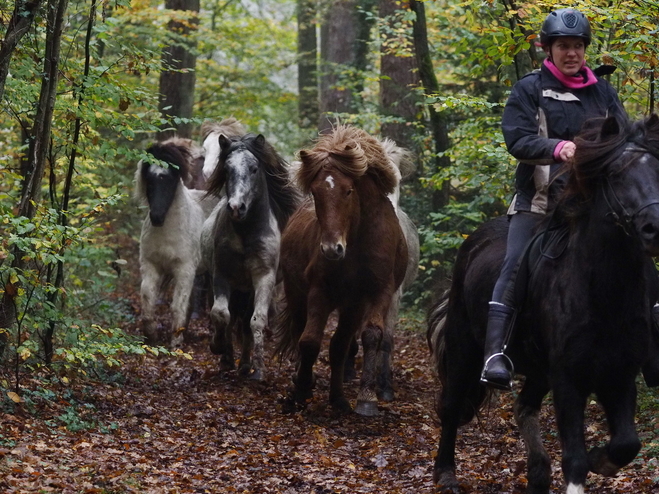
(307, 63)
(429, 80)
(399, 78)
(40, 135)
(19, 24)
(177, 78)
(38, 149)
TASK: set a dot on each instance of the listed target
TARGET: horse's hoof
(386, 395)
(216, 348)
(177, 341)
(341, 405)
(227, 364)
(599, 462)
(367, 408)
(244, 370)
(446, 482)
(257, 375)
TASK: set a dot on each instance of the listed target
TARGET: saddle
(549, 243)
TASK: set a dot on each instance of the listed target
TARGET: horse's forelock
(230, 127)
(351, 151)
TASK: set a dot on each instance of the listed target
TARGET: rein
(625, 218)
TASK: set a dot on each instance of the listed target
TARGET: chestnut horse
(342, 249)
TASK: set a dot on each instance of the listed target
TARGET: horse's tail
(402, 158)
(436, 335)
(286, 333)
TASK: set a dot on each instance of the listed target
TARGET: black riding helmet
(565, 22)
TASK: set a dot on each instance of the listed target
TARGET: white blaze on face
(241, 184)
(574, 489)
(330, 181)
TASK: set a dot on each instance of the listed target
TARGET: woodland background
(87, 85)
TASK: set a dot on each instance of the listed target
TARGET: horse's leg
(221, 343)
(569, 404)
(385, 378)
(460, 398)
(527, 411)
(149, 292)
(240, 308)
(372, 333)
(264, 287)
(619, 403)
(349, 370)
(344, 335)
(183, 282)
(318, 310)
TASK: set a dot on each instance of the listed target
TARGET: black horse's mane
(600, 145)
(173, 154)
(283, 196)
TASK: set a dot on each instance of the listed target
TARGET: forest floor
(178, 425)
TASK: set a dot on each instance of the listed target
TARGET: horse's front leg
(184, 276)
(619, 403)
(152, 280)
(222, 341)
(342, 339)
(318, 310)
(372, 333)
(569, 404)
(527, 413)
(264, 287)
(385, 378)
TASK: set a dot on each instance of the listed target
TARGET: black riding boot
(498, 368)
(651, 367)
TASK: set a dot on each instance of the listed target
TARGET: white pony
(170, 239)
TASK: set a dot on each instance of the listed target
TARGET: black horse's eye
(349, 192)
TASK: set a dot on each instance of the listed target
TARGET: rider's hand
(567, 151)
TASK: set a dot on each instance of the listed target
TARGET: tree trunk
(344, 48)
(399, 77)
(40, 135)
(307, 60)
(430, 86)
(177, 78)
(19, 24)
(38, 149)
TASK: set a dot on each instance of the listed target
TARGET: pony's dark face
(244, 180)
(337, 207)
(160, 184)
(636, 190)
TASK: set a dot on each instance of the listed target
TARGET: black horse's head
(157, 184)
(620, 163)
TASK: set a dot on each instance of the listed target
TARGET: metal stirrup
(510, 367)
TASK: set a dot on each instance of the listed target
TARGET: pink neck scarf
(583, 78)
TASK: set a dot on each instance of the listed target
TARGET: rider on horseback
(544, 112)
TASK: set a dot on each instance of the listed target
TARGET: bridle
(624, 218)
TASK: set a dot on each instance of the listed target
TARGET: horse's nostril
(339, 249)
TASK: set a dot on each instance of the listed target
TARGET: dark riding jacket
(540, 113)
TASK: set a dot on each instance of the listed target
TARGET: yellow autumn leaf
(14, 397)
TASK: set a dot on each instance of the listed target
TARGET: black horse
(585, 324)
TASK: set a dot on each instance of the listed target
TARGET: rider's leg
(497, 367)
(651, 367)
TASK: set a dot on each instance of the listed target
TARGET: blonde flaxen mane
(351, 151)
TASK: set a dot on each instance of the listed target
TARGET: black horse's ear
(259, 141)
(653, 119)
(610, 127)
(224, 141)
